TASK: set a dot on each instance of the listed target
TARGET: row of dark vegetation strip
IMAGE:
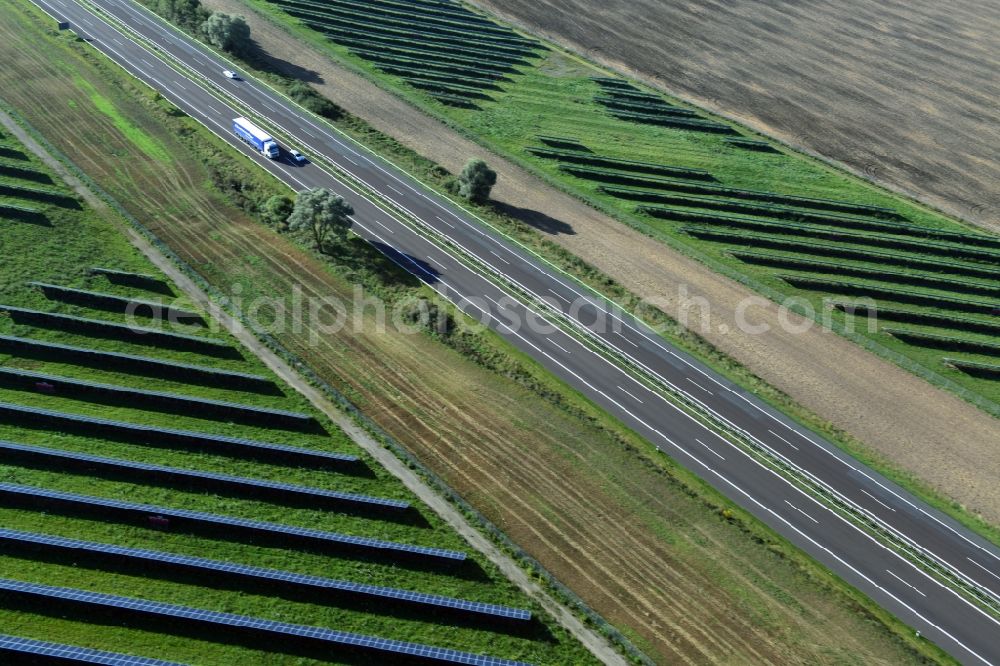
(23, 214)
(947, 342)
(867, 272)
(810, 248)
(986, 371)
(136, 280)
(865, 290)
(112, 303)
(636, 106)
(7, 152)
(156, 401)
(613, 163)
(137, 365)
(563, 143)
(754, 195)
(824, 219)
(135, 434)
(22, 172)
(138, 335)
(38, 194)
(468, 71)
(915, 317)
(670, 120)
(751, 144)
(411, 31)
(624, 178)
(872, 240)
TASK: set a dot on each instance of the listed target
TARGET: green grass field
(545, 92)
(61, 251)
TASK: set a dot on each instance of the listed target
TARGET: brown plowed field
(688, 585)
(904, 92)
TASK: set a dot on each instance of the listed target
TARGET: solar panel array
(135, 334)
(258, 486)
(137, 280)
(269, 575)
(181, 404)
(388, 648)
(156, 435)
(130, 362)
(36, 650)
(320, 537)
(119, 303)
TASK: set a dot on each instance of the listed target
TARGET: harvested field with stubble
(904, 93)
(686, 583)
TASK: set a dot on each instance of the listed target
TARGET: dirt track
(935, 436)
(903, 92)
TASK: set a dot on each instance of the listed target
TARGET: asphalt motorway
(144, 45)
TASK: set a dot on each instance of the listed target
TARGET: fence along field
(235, 498)
(629, 144)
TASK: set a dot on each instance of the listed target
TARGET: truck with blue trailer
(256, 137)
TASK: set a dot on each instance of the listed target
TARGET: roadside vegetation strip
(930, 281)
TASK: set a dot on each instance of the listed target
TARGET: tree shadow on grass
(257, 57)
(535, 219)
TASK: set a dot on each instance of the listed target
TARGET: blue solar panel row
(257, 487)
(127, 332)
(181, 404)
(118, 303)
(33, 494)
(37, 650)
(157, 436)
(387, 648)
(145, 365)
(272, 576)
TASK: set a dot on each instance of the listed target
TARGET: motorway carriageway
(939, 613)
